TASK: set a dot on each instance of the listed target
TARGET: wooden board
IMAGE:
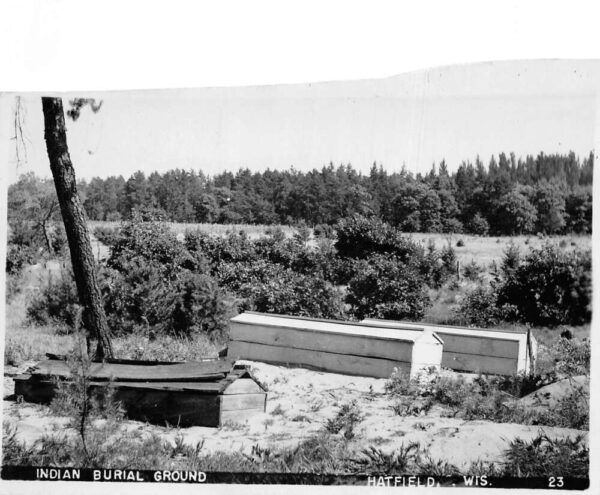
(41, 392)
(479, 364)
(477, 345)
(318, 327)
(185, 404)
(238, 417)
(243, 386)
(327, 342)
(236, 402)
(475, 350)
(169, 407)
(325, 361)
(181, 372)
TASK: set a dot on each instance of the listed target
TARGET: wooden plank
(242, 401)
(479, 364)
(407, 325)
(483, 346)
(200, 371)
(241, 416)
(242, 386)
(40, 392)
(369, 346)
(324, 361)
(168, 407)
(319, 326)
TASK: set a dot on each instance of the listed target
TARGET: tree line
(548, 193)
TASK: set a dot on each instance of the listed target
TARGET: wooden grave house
(333, 346)
(207, 393)
(476, 350)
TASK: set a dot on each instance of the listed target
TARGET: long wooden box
(329, 345)
(476, 350)
(177, 394)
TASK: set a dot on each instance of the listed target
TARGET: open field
(482, 250)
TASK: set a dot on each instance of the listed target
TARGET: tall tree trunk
(82, 258)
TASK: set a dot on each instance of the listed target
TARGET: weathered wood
(317, 326)
(243, 386)
(181, 372)
(169, 407)
(164, 402)
(494, 347)
(40, 392)
(363, 345)
(317, 360)
(238, 417)
(476, 350)
(479, 364)
(242, 401)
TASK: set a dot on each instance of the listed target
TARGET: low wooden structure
(186, 394)
(476, 350)
(333, 346)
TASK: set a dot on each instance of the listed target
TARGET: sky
(412, 120)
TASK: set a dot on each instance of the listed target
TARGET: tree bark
(82, 258)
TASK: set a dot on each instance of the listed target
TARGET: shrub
(324, 230)
(106, 235)
(362, 237)
(18, 256)
(346, 419)
(550, 287)
(389, 289)
(478, 225)
(511, 260)
(56, 303)
(479, 307)
(295, 294)
(452, 226)
(472, 271)
(544, 456)
(141, 299)
(149, 242)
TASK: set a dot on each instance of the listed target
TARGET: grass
(32, 344)
(320, 454)
(252, 230)
(496, 398)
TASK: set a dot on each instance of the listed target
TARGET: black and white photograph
(376, 282)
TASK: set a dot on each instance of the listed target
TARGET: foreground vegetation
(322, 454)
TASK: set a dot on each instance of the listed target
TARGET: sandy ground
(299, 403)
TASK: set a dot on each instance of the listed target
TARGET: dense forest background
(549, 194)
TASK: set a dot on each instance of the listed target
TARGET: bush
(141, 299)
(479, 307)
(362, 237)
(295, 294)
(478, 225)
(56, 303)
(389, 289)
(149, 242)
(544, 456)
(346, 419)
(106, 235)
(472, 271)
(452, 226)
(18, 256)
(550, 287)
(324, 230)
